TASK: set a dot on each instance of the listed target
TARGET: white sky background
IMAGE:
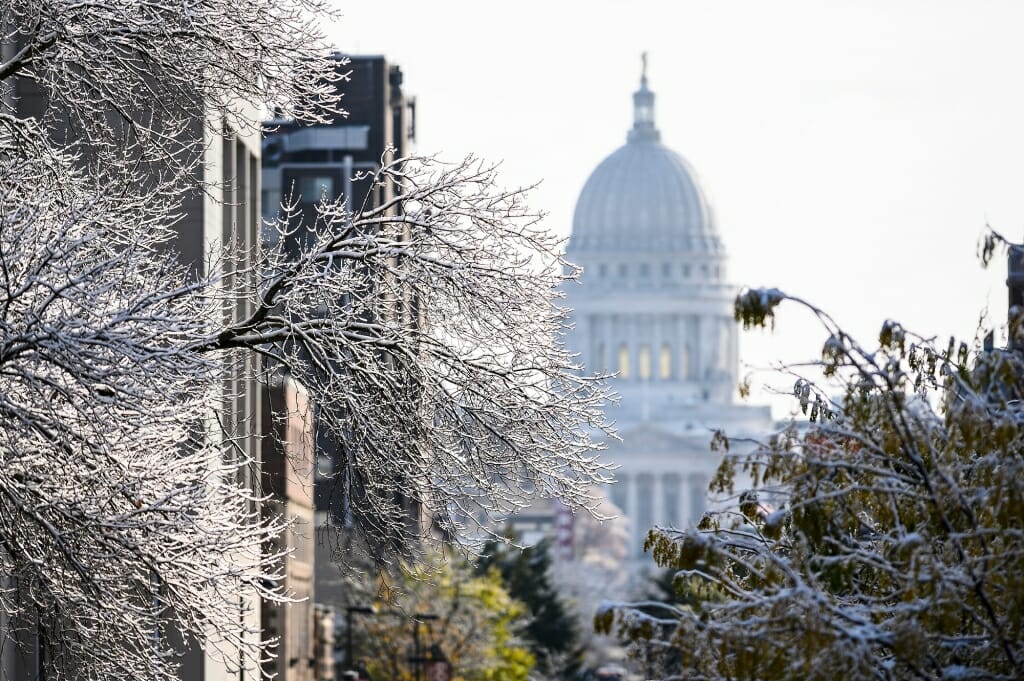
(853, 151)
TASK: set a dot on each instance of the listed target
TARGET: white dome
(644, 198)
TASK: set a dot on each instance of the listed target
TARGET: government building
(655, 308)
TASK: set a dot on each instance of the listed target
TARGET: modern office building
(655, 308)
(301, 164)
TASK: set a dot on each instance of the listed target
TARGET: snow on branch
(431, 343)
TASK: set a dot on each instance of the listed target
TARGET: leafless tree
(426, 330)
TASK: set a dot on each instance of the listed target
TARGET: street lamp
(359, 610)
(418, 658)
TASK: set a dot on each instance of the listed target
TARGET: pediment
(650, 438)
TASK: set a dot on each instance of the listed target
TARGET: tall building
(655, 307)
(226, 212)
(300, 164)
(303, 162)
(287, 473)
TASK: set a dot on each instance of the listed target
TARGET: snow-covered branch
(880, 540)
(425, 330)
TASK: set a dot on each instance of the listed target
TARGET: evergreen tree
(552, 633)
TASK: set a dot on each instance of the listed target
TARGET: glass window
(644, 363)
(619, 492)
(698, 497)
(644, 113)
(684, 366)
(645, 270)
(313, 187)
(665, 363)
(644, 508)
(666, 270)
(686, 270)
(270, 203)
(623, 361)
(602, 358)
(623, 270)
(671, 487)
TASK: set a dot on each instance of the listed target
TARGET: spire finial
(643, 72)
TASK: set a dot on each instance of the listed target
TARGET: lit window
(644, 363)
(665, 363)
(644, 113)
(623, 361)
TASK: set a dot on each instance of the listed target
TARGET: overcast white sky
(853, 151)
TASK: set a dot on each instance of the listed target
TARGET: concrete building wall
(288, 461)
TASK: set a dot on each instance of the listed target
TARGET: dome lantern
(643, 111)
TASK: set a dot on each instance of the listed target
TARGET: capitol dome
(653, 311)
(644, 197)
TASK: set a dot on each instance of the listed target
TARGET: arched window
(665, 363)
(623, 361)
(644, 363)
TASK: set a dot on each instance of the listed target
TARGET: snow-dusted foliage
(425, 331)
(882, 541)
